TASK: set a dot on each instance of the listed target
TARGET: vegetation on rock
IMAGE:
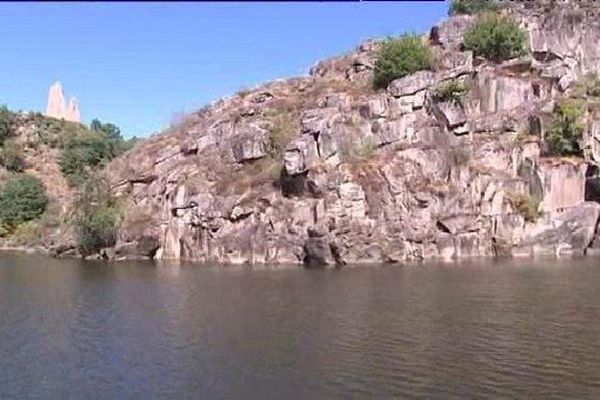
(399, 57)
(282, 131)
(496, 37)
(526, 205)
(22, 198)
(451, 91)
(11, 156)
(567, 129)
(471, 6)
(593, 86)
(6, 117)
(88, 150)
(97, 218)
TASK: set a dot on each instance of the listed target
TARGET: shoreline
(40, 250)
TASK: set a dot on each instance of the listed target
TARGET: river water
(513, 329)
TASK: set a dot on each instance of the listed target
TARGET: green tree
(98, 229)
(400, 57)
(110, 130)
(117, 144)
(567, 129)
(98, 217)
(496, 37)
(23, 198)
(5, 123)
(11, 156)
(81, 154)
(453, 91)
(471, 6)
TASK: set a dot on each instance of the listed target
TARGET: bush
(400, 57)
(471, 6)
(11, 157)
(98, 229)
(5, 123)
(23, 198)
(496, 37)
(567, 129)
(525, 205)
(452, 91)
(117, 144)
(111, 131)
(85, 150)
(98, 217)
(593, 86)
(367, 149)
(82, 153)
(283, 128)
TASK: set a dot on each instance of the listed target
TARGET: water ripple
(79, 330)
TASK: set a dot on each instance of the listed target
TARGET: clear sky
(140, 64)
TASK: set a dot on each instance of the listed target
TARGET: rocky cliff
(323, 170)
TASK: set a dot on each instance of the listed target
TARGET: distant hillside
(64, 156)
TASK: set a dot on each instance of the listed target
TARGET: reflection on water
(520, 329)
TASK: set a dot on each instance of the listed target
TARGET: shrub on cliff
(84, 150)
(98, 229)
(567, 129)
(97, 217)
(5, 123)
(496, 37)
(525, 205)
(23, 198)
(81, 154)
(593, 86)
(111, 131)
(451, 91)
(400, 57)
(471, 6)
(11, 156)
(282, 131)
(118, 145)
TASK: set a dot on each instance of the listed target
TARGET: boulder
(451, 113)
(569, 233)
(250, 145)
(411, 84)
(563, 184)
(449, 33)
(501, 93)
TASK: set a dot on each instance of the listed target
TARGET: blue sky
(140, 64)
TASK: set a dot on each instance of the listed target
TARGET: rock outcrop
(57, 106)
(323, 170)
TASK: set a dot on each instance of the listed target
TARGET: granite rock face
(323, 170)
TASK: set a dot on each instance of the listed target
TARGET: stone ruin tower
(57, 107)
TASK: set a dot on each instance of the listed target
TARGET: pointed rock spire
(73, 111)
(57, 106)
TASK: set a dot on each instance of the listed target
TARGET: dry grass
(264, 171)
(284, 127)
(525, 205)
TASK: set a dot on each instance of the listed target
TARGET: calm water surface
(74, 330)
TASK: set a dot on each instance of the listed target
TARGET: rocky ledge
(323, 170)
